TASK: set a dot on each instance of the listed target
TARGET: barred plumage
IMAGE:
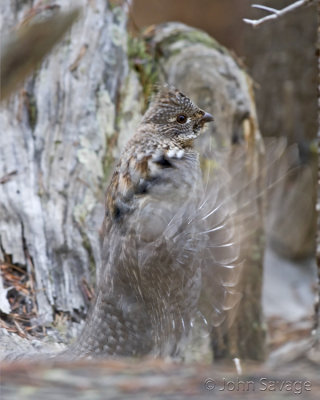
(169, 247)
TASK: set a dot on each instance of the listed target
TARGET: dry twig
(274, 13)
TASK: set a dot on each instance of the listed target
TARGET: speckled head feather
(175, 114)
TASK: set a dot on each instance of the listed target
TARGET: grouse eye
(182, 119)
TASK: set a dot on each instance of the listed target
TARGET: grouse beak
(206, 118)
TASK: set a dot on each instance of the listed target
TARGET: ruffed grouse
(165, 242)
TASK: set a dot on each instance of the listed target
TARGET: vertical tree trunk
(54, 134)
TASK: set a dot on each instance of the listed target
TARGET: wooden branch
(274, 13)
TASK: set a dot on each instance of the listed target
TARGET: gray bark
(50, 211)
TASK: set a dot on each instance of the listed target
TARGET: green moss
(143, 54)
(32, 110)
(313, 148)
(194, 36)
(107, 167)
(114, 4)
(143, 61)
(87, 246)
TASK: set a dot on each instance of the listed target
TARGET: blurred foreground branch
(28, 46)
(274, 13)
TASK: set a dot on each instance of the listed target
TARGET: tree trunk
(55, 134)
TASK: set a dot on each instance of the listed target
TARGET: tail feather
(239, 197)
